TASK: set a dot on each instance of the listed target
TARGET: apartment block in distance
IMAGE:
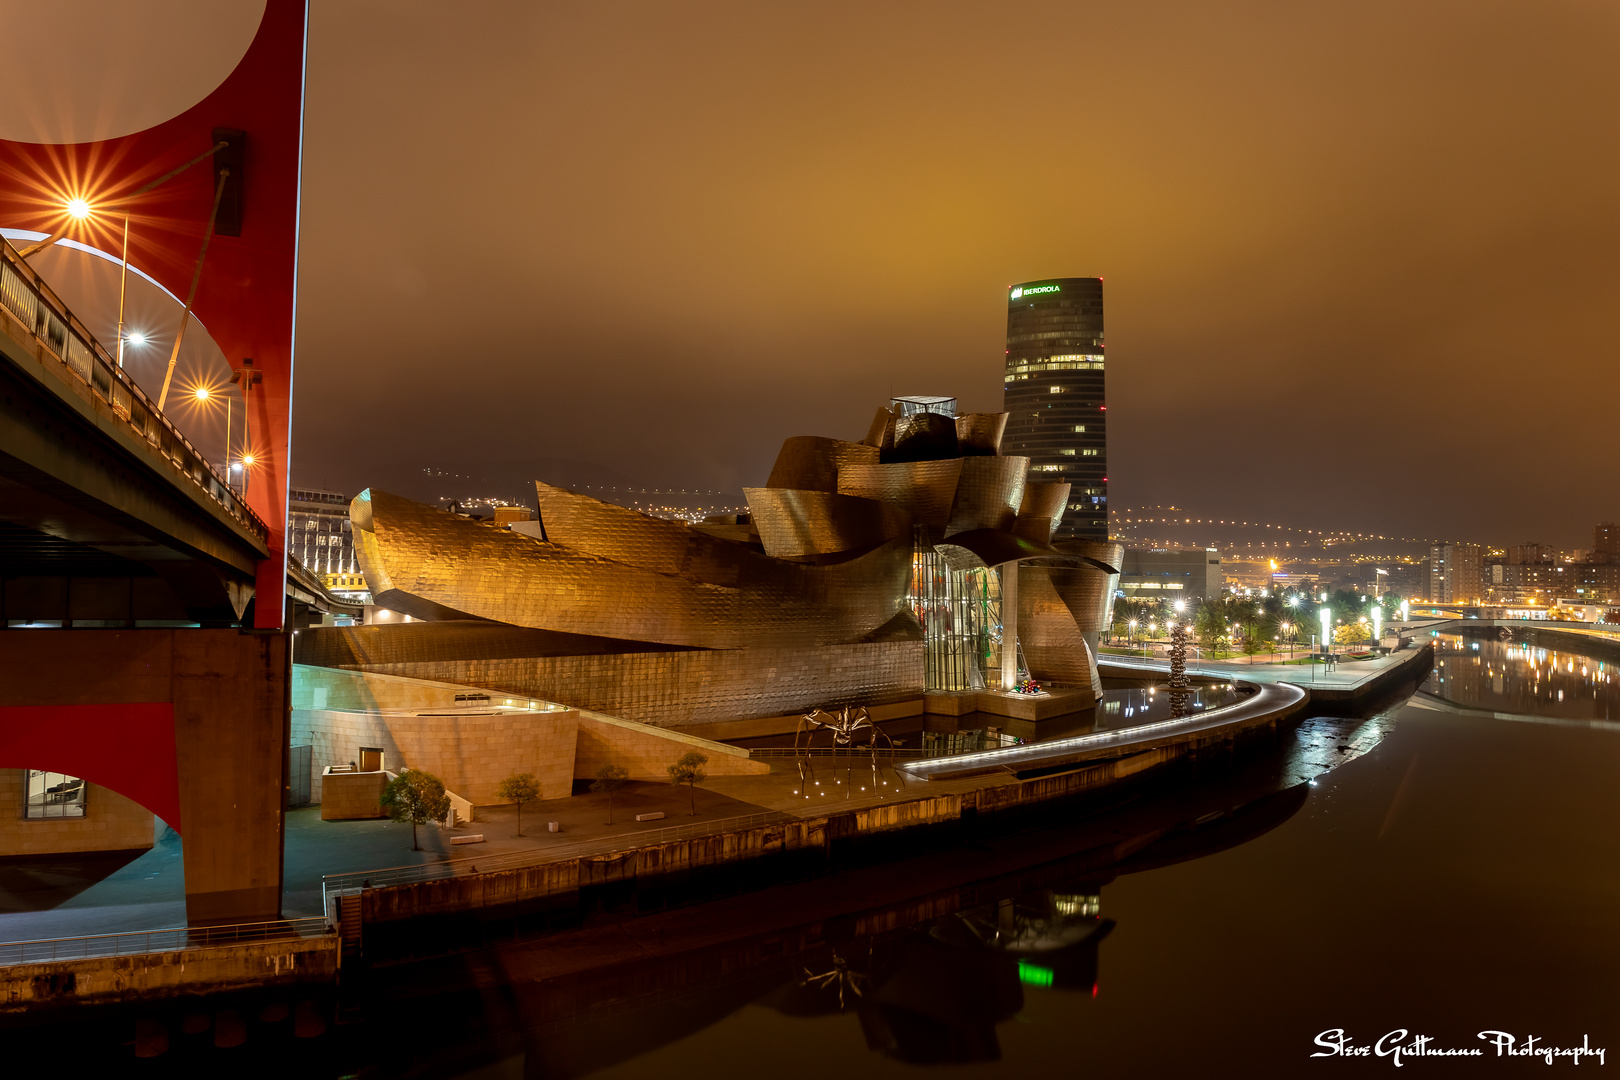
(1454, 573)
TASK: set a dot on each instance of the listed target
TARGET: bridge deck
(173, 493)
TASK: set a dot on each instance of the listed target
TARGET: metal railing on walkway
(45, 323)
(173, 939)
(334, 884)
(827, 751)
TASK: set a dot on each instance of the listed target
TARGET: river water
(1445, 867)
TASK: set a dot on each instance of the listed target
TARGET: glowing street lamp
(78, 209)
(1327, 626)
(1378, 624)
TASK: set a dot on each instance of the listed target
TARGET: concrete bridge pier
(192, 724)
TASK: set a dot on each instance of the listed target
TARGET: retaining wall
(149, 976)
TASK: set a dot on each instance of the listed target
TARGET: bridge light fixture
(135, 337)
(78, 209)
(247, 460)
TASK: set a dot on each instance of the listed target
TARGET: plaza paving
(72, 895)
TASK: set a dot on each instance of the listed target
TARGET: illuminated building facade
(1454, 573)
(1173, 574)
(1054, 395)
(864, 574)
(318, 531)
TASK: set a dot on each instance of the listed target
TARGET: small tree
(609, 779)
(519, 788)
(689, 771)
(415, 796)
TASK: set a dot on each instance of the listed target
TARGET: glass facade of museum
(1053, 394)
(960, 612)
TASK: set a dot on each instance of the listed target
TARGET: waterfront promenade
(1346, 679)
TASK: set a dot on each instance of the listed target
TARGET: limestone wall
(670, 689)
(471, 752)
(649, 751)
(110, 823)
(352, 796)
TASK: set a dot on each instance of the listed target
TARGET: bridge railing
(148, 941)
(40, 314)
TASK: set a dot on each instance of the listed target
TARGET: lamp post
(1378, 624)
(247, 377)
(1326, 616)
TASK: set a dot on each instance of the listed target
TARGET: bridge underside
(88, 529)
(191, 724)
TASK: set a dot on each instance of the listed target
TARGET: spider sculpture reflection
(841, 975)
(848, 727)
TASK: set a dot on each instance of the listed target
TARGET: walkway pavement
(1347, 675)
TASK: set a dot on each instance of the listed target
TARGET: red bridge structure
(146, 648)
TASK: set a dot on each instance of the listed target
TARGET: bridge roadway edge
(128, 480)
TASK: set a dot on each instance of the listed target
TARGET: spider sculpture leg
(806, 722)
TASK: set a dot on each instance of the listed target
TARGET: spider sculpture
(848, 726)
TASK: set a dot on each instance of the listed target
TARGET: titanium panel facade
(856, 580)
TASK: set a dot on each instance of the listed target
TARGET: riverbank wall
(54, 985)
(398, 921)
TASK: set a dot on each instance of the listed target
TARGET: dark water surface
(1434, 868)
(1462, 875)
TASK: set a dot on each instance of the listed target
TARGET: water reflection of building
(935, 993)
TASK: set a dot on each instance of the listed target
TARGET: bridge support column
(60, 698)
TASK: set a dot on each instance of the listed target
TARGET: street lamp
(1378, 624)
(205, 394)
(1327, 626)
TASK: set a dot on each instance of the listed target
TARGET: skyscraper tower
(1053, 395)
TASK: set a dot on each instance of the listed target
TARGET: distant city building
(1172, 574)
(1454, 573)
(1546, 583)
(318, 531)
(1530, 554)
(1053, 394)
(506, 515)
(351, 585)
(1606, 542)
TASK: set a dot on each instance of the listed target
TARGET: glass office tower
(1053, 395)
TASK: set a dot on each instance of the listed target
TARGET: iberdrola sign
(1031, 290)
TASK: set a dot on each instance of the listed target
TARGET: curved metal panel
(496, 574)
(988, 494)
(880, 433)
(1041, 510)
(627, 536)
(1110, 556)
(990, 547)
(814, 463)
(927, 489)
(980, 432)
(922, 436)
(1054, 647)
(799, 523)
